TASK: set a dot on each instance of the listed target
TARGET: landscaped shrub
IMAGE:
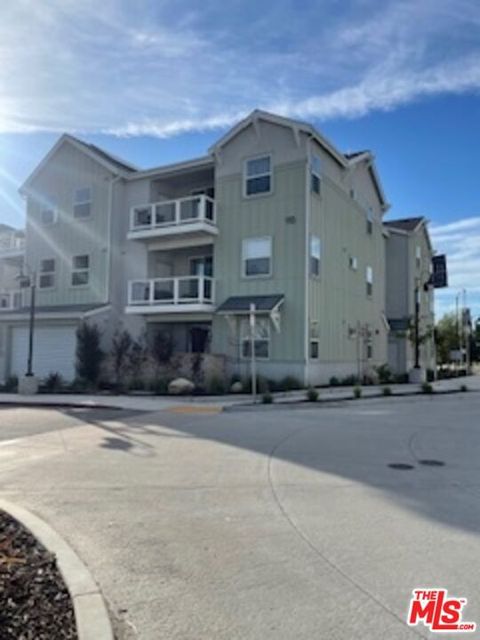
(349, 381)
(357, 391)
(267, 398)
(121, 345)
(136, 358)
(430, 375)
(463, 388)
(89, 354)
(312, 394)
(162, 348)
(401, 378)
(53, 382)
(289, 383)
(427, 387)
(159, 386)
(216, 386)
(11, 384)
(384, 374)
(334, 382)
(386, 391)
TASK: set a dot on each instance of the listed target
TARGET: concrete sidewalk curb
(59, 405)
(302, 403)
(91, 615)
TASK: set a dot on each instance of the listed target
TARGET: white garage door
(53, 351)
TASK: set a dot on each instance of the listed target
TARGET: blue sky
(158, 81)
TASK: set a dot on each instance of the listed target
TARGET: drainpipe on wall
(307, 266)
(113, 181)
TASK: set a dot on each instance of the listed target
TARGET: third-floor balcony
(12, 246)
(11, 300)
(181, 222)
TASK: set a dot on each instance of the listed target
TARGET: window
(314, 345)
(369, 280)
(369, 348)
(261, 338)
(46, 277)
(80, 270)
(353, 263)
(82, 203)
(418, 256)
(257, 257)
(201, 266)
(369, 220)
(315, 174)
(258, 176)
(47, 216)
(315, 255)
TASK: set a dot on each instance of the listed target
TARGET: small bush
(387, 391)
(53, 382)
(430, 375)
(334, 382)
(357, 391)
(137, 384)
(463, 388)
(267, 398)
(368, 381)
(349, 381)
(384, 374)
(216, 386)
(89, 353)
(401, 378)
(11, 383)
(159, 386)
(289, 383)
(427, 388)
(312, 394)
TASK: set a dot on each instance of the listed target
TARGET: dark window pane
(79, 278)
(258, 185)
(314, 349)
(258, 166)
(314, 266)
(315, 183)
(257, 266)
(46, 281)
(81, 210)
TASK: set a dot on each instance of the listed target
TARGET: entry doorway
(199, 339)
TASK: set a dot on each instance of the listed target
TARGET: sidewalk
(161, 403)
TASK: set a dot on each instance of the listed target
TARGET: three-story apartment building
(273, 216)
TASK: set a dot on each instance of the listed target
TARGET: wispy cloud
(460, 240)
(150, 68)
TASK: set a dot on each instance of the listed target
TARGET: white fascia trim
(204, 162)
(94, 312)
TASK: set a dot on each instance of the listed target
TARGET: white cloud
(149, 68)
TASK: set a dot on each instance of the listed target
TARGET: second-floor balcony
(178, 294)
(11, 300)
(189, 220)
(12, 246)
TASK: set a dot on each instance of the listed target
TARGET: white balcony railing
(11, 244)
(11, 300)
(180, 214)
(174, 293)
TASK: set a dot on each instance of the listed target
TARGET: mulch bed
(34, 602)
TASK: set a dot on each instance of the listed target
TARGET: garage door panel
(53, 351)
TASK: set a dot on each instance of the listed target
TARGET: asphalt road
(280, 524)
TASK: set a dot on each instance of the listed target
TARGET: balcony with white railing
(171, 295)
(11, 300)
(191, 218)
(11, 246)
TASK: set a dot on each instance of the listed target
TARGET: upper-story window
(46, 276)
(369, 280)
(82, 203)
(315, 252)
(353, 263)
(315, 168)
(257, 257)
(418, 256)
(370, 220)
(80, 270)
(258, 176)
(47, 216)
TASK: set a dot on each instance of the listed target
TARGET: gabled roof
(351, 155)
(405, 224)
(110, 162)
(296, 125)
(356, 157)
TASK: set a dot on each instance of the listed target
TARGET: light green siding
(66, 171)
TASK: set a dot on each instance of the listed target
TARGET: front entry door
(199, 339)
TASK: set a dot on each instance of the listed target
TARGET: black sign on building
(440, 276)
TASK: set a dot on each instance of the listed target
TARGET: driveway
(279, 524)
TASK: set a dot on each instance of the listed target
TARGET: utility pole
(31, 327)
(253, 363)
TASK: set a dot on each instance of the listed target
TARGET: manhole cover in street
(401, 466)
(432, 463)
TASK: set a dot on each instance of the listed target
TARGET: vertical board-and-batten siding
(55, 186)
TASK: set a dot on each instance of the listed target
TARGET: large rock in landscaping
(237, 387)
(180, 386)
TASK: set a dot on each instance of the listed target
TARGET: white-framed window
(261, 338)
(82, 203)
(314, 341)
(418, 256)
(370, 220)
(80, 270)
(257, 257)
(46, 275)
(315, 172)
(369, 280)
(369, 345)
(258, 176)
(48, 216)
(353, 263)
(315, 253)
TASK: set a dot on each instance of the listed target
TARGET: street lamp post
(29, 384)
